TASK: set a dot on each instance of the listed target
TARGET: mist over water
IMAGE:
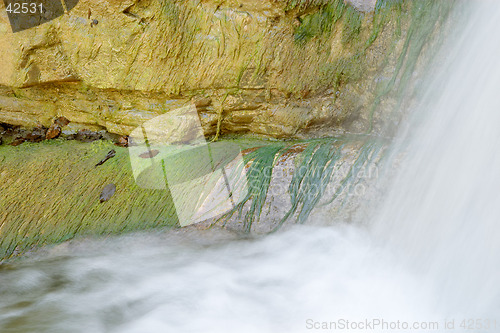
(431, 253)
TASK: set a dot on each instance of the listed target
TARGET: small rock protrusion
(122, 141)
(107, 192)
(53, 132)
(304, 93)
(87, 136)
(93, 23)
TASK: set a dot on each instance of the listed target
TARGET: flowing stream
(428, 260)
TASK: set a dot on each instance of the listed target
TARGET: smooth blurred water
(443, 211)
(154, 283)
(430, 254)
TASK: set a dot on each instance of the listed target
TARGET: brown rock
(32, 137)
(122, 141)
(53, 132)
(37, 135)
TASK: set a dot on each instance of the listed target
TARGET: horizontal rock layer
(278, 68)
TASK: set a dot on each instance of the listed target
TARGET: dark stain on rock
(107, 192)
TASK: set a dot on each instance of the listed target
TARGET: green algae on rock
(50, 193)
(50, 190)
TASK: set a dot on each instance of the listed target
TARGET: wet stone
(107, 192)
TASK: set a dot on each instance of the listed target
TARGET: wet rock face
(269, 67)
(107, 200)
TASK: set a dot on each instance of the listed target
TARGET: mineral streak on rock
(107, 192)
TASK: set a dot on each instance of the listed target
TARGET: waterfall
(442, 212)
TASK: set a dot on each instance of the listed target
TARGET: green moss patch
(50, 193)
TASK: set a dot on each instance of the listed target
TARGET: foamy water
(151, 283)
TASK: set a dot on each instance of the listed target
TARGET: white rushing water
(430, 258)
(443, 211)
(153, 283)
